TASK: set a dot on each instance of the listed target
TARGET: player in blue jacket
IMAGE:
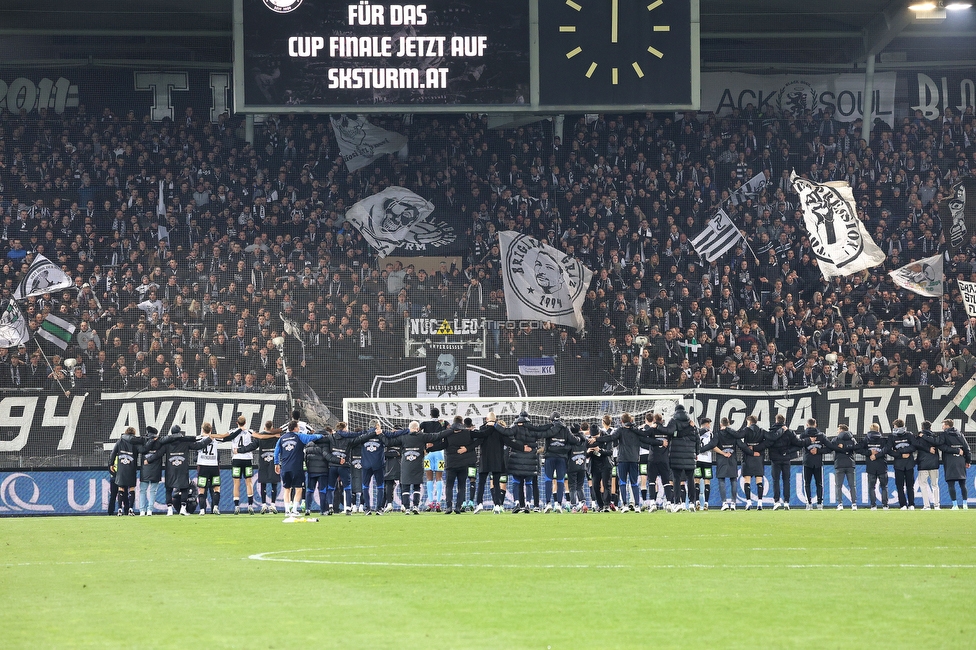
(289, 459)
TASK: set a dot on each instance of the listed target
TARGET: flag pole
(49, 365)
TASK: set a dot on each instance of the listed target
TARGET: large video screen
(305, 54)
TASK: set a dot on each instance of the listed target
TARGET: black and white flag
(924, 277)
(750, 189)
(837, 235)
(360, 143)
(958, 213)
(13, 326)
(397, 220)
(43, 276)
(719, 236)
(541, 282)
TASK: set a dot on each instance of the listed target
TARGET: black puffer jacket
(316, 464)
(843, 448)
(517, 437)
(684, 440)
(927, 446)
(782, 444)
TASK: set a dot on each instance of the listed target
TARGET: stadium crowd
(254, 230)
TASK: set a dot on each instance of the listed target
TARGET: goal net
(398, 413)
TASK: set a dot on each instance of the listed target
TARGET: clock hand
(613, 21)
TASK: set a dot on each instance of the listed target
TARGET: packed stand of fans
(252, 232)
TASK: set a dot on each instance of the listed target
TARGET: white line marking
(268, 557)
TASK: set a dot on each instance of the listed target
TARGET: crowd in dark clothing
(257, 230)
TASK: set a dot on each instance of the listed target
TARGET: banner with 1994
(42, 429)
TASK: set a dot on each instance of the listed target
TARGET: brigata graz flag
(398, 221)
(924, 277)
(360, 143)
(838, 237)
(542, 283)
(43, 276)
(958, 213)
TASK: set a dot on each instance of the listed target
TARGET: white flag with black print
(13, 326)
(396, 219)
(542, 283)
(750, 189)
(924, 277)
(838, 237)
(360, 143)
(43, 276)
(719, 236)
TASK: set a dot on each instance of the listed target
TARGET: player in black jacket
(491, 465)
(814, 446)
(151, 475)
(125, 460)
(901, 445)
(576, 470)
(460, 460)
(659, 466)
(601, 468)
(875, 448)
(391, 476)
(928, 461)
(753, 444)
(725, 442)
(956, 458)
(267, 476)
(781, 444)
(522, 440)
(317, 473)
(555, 454)
(683, 448)
(843, 446)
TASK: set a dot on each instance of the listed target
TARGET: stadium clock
(621, 52)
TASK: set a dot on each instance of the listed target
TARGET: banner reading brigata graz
(857, 408)
(843, 93)
(160, 94)
(51, 430)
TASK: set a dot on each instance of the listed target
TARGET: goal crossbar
(398, 412)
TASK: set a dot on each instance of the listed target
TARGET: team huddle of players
(446, 467)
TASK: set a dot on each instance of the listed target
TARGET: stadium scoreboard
(465, 55)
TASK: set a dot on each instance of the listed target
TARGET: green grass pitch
(707, 580)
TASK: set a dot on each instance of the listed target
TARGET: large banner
(933, 93)
(51, 430)
(857, 408)
(160, 94)
(844, 93)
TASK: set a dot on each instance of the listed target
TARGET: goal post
(397, 413)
